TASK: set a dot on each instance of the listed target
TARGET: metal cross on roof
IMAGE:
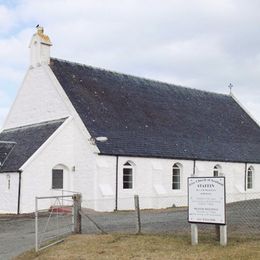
(230, 87)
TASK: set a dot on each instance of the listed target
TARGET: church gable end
(38, 99)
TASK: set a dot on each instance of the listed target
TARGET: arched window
(250, 172)
(176, 177)
(128, 175)
(216, 171)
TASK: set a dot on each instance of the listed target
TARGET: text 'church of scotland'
(111, 136)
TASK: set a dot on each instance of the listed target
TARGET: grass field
(146, 247)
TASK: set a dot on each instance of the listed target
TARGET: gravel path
(17, 234)
(243, 219)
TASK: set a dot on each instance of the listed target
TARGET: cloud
(204, 44)
(14, 48)
(6, 19)
(4, 107)
(3, 114)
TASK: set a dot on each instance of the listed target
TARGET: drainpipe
(116, 198)
(245, 174)
(19, 192)
(194, 165)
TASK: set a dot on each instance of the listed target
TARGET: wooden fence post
(77, 215)
(137, 209)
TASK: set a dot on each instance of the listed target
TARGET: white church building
(111, 136)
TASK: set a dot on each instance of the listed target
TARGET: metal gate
(54, 219)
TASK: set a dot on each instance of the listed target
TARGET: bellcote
(40, 48)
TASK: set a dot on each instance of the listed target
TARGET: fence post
(137, 209)
(76, 211)
(194, 234)
(223, 235)
(217, 231)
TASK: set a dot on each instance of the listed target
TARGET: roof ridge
(139, 77)
(7, 142)
(35, 125)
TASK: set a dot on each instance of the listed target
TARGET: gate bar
(53, 197)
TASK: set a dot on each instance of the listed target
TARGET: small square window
(57, 179)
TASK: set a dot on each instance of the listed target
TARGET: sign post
(207, 205)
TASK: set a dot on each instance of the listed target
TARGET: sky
(204, 44)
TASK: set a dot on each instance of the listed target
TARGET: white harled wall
(84, 178)
(235, 178)
(153, 177)
(68, 147)
(9, 196)
(95, 177)
(152, 182)
(36, 101)
(37, 175)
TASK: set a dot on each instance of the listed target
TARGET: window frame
(250, 174)
(217, 169)
(57, 172)
(128, 166)
(177, 175)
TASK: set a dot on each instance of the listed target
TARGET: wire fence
(73, 213)
(242, 218)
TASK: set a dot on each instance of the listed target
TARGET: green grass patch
(163, 247)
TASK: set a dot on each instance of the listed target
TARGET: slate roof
(17, 145)
(5, 149)
(148, 118)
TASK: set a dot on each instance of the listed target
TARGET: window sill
(128, 190)
(181, 192)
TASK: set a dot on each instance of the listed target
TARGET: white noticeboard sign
(207, 200)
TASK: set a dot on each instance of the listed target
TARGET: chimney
(40, 48)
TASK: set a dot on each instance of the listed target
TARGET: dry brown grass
(146, 247)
